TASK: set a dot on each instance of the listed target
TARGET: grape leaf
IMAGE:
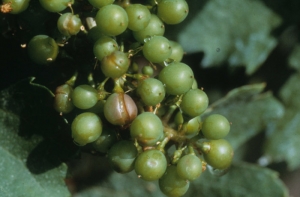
(294, 58)
(237, 31)
(20, 170)
(242, 180)
(283, 143)
(249, 111)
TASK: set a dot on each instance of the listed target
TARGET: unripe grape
(172, 11)
(42, 49)
(177, 51)
(84, 96)
(69, 24)
(62, 100)
(157, 49)
(194, 102)
(219, 155)
(106, 140)
(115, 65)
(150, 165)
(86, 128)
(177, 77)
(138, 15)
(189, 167)
(104, 46)
(15, 6)
(171, 184)
(151, 91)
(120, 109)
(215, 127)
(122, 156)
(112, 20)
(147, 128)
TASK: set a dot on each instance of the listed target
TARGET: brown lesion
(6, 8)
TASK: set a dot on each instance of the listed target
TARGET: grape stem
(40, 86)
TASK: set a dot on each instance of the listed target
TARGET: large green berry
(215, 127)
(194, 102)
(150, 165)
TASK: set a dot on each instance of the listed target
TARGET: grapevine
(139, 104)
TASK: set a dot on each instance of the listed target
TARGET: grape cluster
(149, 118)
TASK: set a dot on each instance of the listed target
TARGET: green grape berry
(138, 15)
(177, 51)
(112, 20)
(189, 167)
(62, 100)
(122, 156)
(150, 165)
(14, 6)
(157, 49)
(172, 11)
(219, 155)
(104, 46)
(177, 77)
(171, 184)
(84, 96)
(69, 24)
(192, 127)
(42, 49)
(115, 65)
(215, 127)
(151, 91)
(194, 102)
(147, 128)
(86, 128)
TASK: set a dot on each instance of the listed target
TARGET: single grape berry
(120, 109)
(84, 96)
(104, 46)
(171, 184)
(147, 128)
(138, 15)
(14, 6)
(177, 51)
(69, 24)
(86, 128)
(177, 77)
(192, 127)
(150, 165)
(172, 11)
(219, 155)
(62, 99)
(215, 127)
(42, 49)
(151, 91)
(189, 167)
(122, 156)
(194, 102)
(115, 65)
(157, 49)
(112, 20)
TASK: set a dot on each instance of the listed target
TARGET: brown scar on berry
(6, 8)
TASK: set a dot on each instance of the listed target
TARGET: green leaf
(294, 58)
(237, 31)
(242, 180)
(283, 143)
(249, 111)
(20, 169)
